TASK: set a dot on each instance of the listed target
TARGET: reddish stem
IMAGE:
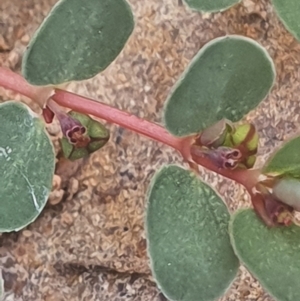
(247, 178)
(113, 115)
(15, 82)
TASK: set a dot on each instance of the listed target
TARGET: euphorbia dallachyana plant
(195, 245)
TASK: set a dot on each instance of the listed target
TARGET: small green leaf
(270, 254)
(287, 190)
(27, 166)
(289, 13)
(215, 135)
(285, 161)
(188, 242)
(211, 6)
(228, 78)
(77, 40)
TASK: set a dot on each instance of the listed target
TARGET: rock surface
(89, 242)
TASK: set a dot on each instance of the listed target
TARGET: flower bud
(84, 136)
(271, 210)
(48, 114)
(246, 137)
(222, 157)
(222, 139)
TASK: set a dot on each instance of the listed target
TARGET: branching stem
(16, 83)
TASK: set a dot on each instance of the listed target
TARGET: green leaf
(228, 78)
(188, 242)
(285, 161)
(27, 166)
(287, 190)
(216, 134)
(270, 254)
(289, 13)
(211, 6)
(77, 40)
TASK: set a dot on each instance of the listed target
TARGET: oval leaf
(270, 254)
(228, 77)
(285, 161)
(27, 166)
(289, 13)
(210, 6)
(188, 242)
(77, 40)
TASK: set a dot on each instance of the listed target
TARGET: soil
(89, 242)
